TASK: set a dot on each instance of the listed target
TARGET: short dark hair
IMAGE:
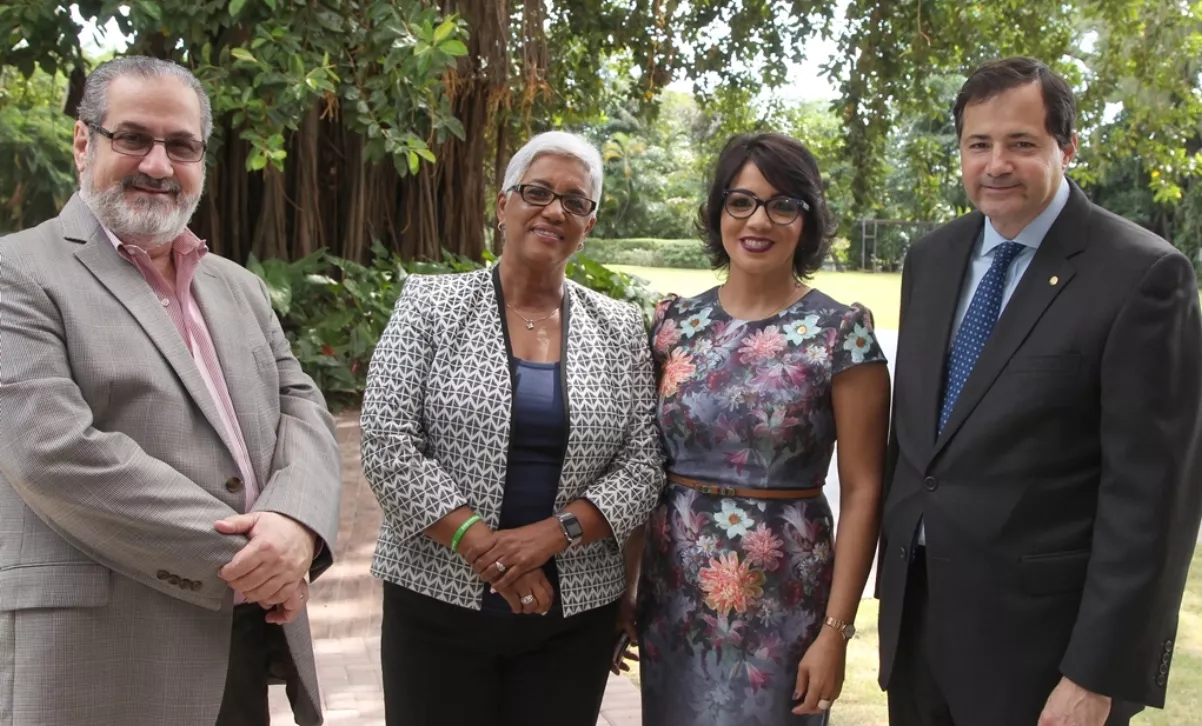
(1002, 75)
(789, 167)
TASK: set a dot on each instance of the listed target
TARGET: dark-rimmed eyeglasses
(537, 196)
(136, 143)
(782, 210)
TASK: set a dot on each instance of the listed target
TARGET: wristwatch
(845, 629)
(572, 529)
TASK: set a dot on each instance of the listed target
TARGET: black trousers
(259, 655)
(445, 665)
(915, 696)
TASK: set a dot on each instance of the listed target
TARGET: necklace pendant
(529, 325)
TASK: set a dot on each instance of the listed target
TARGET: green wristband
(462, 529)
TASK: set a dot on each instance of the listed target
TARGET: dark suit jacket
(1062, 499)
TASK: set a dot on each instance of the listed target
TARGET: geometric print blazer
(436, 420)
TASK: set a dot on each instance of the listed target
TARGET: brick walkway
(345, 616)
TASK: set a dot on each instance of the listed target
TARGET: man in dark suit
(1042, 500)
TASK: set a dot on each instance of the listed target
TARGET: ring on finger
(501, 567)
(527, 599)
(823, 704)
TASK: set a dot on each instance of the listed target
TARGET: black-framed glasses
(537, 196)
(782, 210)
(136, 143)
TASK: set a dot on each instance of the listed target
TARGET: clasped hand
(522, 552)
(271, 568)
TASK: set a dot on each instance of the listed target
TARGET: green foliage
(333, 311)
(375, 66)
(688, 254)
(651, 186)
(36, 165)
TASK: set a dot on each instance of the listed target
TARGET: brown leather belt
(725, 491)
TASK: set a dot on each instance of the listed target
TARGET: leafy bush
(36, 168)
(646, 252)
(334, 310)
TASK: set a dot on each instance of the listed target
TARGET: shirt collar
(1031, 235)
(185, 244)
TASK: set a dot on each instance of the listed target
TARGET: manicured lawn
(863, 703)
(880, 292)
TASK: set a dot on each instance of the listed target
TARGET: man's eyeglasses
(537, 196)
(782, 210)
(136, 143)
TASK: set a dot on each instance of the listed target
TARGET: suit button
(163, 574)
(903, 553)
(185, 584)
(1165, 658)
(1168, 646)
(173, 579)
(233, 485)
(196, 586)
(930, 483)
(1160, 681)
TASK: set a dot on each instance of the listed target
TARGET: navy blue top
(536, 450)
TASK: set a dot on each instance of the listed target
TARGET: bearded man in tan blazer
(169, 477)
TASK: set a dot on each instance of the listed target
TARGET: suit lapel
(126, 283)
(1034, 293)
(935, 306)
(219, 307)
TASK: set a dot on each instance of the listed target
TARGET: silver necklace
(530, 323)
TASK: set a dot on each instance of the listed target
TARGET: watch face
(849, 632)
(572, 525)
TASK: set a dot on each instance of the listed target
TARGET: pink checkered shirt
(179, 305)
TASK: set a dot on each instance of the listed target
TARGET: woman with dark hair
(745, 604)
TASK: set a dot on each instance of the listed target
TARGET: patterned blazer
(436, 422)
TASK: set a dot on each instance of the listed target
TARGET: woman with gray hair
(509, 435)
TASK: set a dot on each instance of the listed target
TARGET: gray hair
(563, 144)
(94, 106)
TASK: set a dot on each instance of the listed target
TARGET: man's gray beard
(148, 223)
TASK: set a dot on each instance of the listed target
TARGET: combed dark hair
(1002, 75)
(789, 167)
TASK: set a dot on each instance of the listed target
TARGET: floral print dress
(734, 590)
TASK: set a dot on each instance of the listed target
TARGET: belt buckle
(718, 491)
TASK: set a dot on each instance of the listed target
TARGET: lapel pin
(1054, 281)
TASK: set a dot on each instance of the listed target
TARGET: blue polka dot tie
(974, 330)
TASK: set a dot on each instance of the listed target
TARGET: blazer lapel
(935, 305)
(126, 283)
(219, 306)
(1034, 293)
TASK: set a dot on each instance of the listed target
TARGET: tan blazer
(113, 469)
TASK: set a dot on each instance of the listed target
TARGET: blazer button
(196, 586)
(173, 579)
(1160, 681)
(163, 574)
(903, 552)
(233, 485)
(930, 483)
(185, 584)
(1168, 646)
